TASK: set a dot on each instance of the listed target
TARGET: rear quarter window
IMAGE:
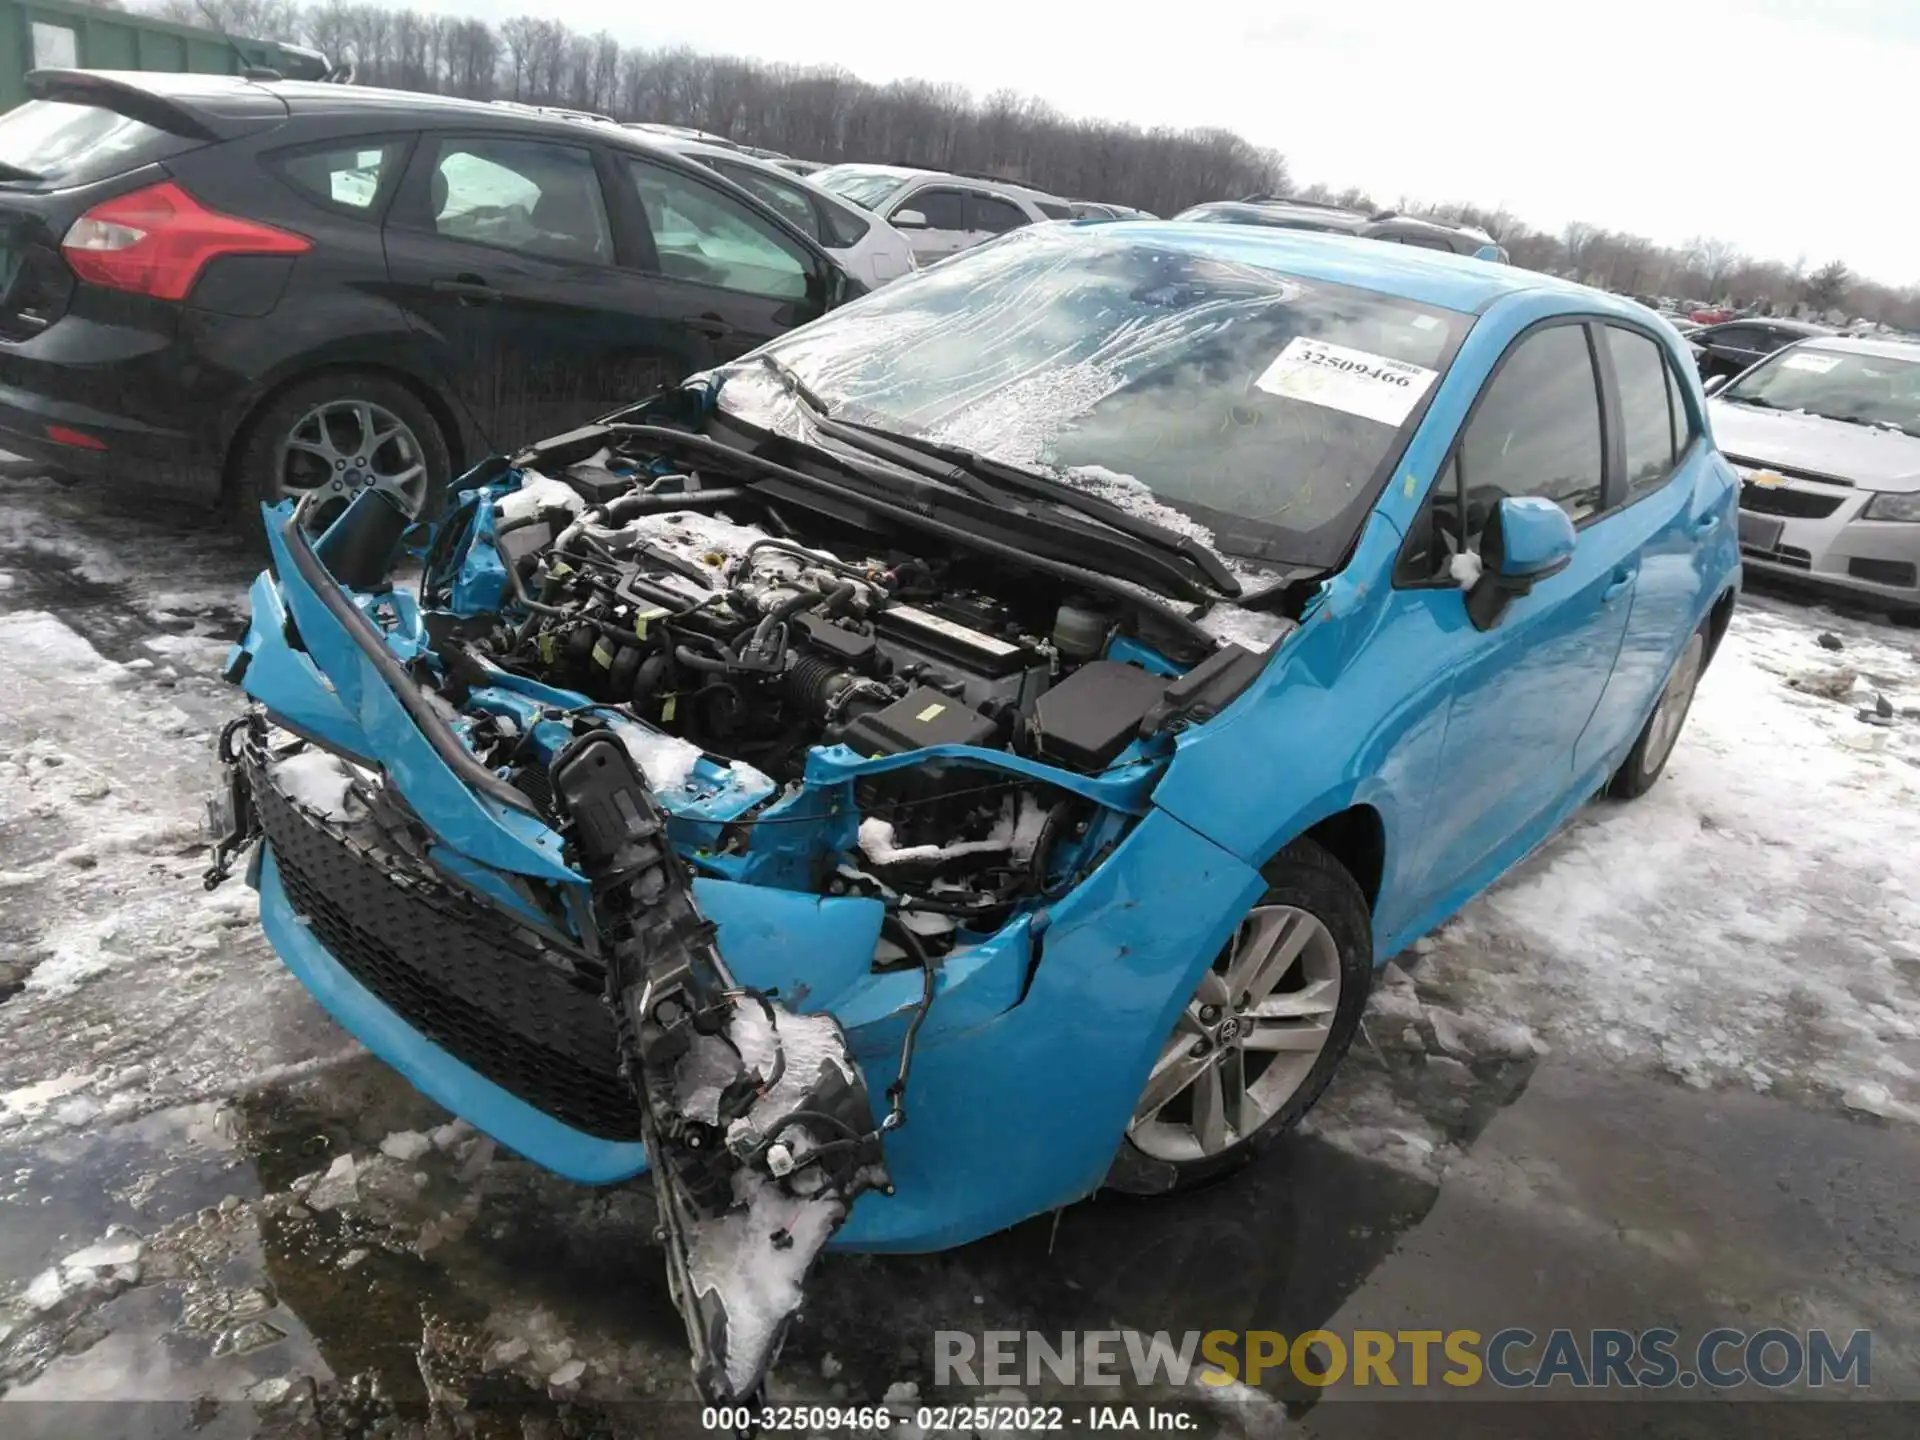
(354, 177)
(52, 144)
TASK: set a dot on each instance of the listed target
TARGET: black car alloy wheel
(345, 446)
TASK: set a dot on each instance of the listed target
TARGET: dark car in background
(238, 290)
(1389, 225)
(1730, 347)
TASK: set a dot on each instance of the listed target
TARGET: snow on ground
(1753, 921)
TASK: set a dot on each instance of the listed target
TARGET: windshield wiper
(1753, 400)
(970, 466)
(1887, 425)
(10, 172)
(904, 460)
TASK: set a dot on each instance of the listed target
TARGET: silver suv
(939, 213)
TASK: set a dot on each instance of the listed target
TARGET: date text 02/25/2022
(981, 1418)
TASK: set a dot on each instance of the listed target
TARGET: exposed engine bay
(680, 677)
(722, 631)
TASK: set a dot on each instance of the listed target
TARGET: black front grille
(517, 1009)
(1787, 471)
(1794, 504)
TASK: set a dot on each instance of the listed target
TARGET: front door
(725, 278)
(501, 250)
(1522, 692)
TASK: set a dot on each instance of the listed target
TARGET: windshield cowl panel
(1253, 411)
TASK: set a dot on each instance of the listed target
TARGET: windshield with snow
(865, 188)
(1267, 409)
(1841, 385)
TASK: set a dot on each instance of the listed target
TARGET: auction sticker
(1810, 360)
(1370, 386)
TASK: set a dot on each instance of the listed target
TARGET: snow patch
(666, 760)
(741, 1259)
(405, 1145)
(319, 781)
(536, 493)
(1253, 629)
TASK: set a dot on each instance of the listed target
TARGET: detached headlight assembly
(1886, 506)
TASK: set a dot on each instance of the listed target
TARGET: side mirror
(1717, 383)
(1528, 538)
(908, 220)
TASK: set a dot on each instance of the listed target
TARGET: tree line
(827, 113)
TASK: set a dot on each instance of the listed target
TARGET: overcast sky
(1785, 126)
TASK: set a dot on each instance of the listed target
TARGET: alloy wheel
(346, 446)
(1246, 1041)
(1671, 711)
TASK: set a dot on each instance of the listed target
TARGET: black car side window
(1646, 418)
(994, 215)
(525, 195)
(710, 238)
(1682, 420)
(788, 200)
(841, 227)
(1535, 430)
(352, 177)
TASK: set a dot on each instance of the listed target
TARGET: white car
(941, 214)
(867, 247)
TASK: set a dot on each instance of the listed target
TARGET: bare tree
(1828, 285)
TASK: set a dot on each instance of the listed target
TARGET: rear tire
(1237, 1070)
(339, 432)
(1650, 753)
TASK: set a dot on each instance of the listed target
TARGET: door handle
(1621, 584)
(715, 327)
(470, 288)
(1704, 528)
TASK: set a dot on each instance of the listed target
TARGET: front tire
(338, 433)
(1266, 1028)
(1661, 733)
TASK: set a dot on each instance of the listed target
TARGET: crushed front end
(665, 819)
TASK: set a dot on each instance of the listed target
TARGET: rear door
(1671, 500)
(502, 249)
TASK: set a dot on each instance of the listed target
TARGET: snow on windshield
(1250, 406)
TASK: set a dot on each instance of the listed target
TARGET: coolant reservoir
(1079, 633)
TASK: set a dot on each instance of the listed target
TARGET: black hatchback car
(1730, 347)
(238, 289)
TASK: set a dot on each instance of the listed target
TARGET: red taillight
(79, 439)
(156, 241)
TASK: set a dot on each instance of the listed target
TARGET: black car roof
(224, 107)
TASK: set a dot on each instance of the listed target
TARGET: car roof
(1430, 277)
(702, 151)
(1861, 345)
(1278, 214)
(905, 173)
(235, 96)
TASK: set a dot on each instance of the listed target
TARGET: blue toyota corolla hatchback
(979, 747)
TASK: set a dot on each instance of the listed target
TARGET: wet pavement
(219, 1217)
